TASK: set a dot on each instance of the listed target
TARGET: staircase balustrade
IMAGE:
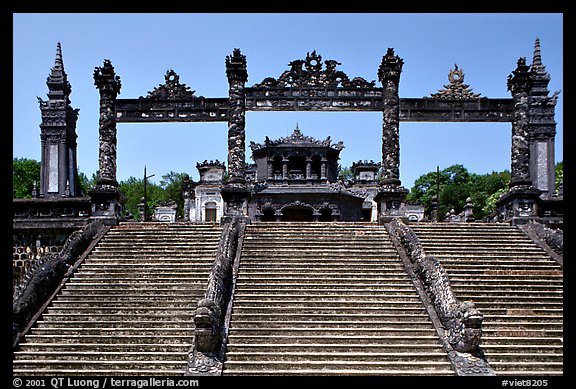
(209, 334)
(461, 320)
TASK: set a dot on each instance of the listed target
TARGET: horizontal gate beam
(424, 109)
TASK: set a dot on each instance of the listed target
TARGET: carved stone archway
(316, 85)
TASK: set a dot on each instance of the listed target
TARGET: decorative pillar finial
(537, 61)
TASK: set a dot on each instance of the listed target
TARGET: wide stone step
(514, 340)
(133, 304)
(323, 366)
(413, 302)
(333, 347)
(320, 310)
(159, 316)
(384, 316)
(147, 260)
(99, 365)
(346, 372)
(142, 284)
(303, 356)
(330, 331)
(49, 355)
(159, 338)
(120, 274)
(415, 323)
(184, 331)
(407, 340)
(319, 279)
(540, 349)
(522, 332)
(377, 298)
(321, 275)
(327, 285)
(117, 323)
(519, 366)
(98, 347)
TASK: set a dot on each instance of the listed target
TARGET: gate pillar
(391, 196)
(106, 198)
(237, 77)
(519, 205)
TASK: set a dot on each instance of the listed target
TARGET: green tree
(133, 190)
(559, 172)
(172, 185)
(86, 184)
(454, 185)
(25, 172)
(345, 173)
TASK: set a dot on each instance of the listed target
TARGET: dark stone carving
(210, 312)
(554, 238)
(456, 89)
(58, 136)
(108, 83)
(207, 163)
(389, 74)
(44, 276)
(312, 75)
(172, 89)
(297, 139)
(429, 109)
(520, 84)
(204, 364)
(462, 320)
(237, 77)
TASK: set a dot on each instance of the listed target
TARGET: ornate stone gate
(312, 84)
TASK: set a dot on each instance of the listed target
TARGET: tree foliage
(454, 185)
(559, 173)
(24, 173)
(168, 191)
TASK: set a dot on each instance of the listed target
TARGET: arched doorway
(325, 215)
(297, 214)
(210, 212)
(268, 215)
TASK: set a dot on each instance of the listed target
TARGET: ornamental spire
(537, 61)
(58, 63)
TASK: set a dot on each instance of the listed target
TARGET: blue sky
(142, 47)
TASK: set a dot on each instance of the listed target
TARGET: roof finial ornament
(537, 60)
(58, 62)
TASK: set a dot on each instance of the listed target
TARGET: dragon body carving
(462, 321)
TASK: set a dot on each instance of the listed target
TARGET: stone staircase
(514, 283)
(328, 299)
(129, 308)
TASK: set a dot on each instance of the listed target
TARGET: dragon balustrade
(207, 352)
(461, 321)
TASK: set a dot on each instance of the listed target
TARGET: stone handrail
(212, 309)
(42, 279)
(551, 239)
(461, 320)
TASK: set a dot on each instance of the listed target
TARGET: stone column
(542, 127)
(308, 168)
(519, 205)
(323, 168)
(269, 169)
(285, 168)
(519, 84)
(108, 83)
(391, 197)
(62, 165)
(389, 74)
(106, 202)
(237, 77)
(43, 162)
